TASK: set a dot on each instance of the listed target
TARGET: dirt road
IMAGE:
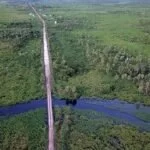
(48, 83)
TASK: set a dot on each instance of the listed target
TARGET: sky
(82, 1)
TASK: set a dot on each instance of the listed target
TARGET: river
(121, 110)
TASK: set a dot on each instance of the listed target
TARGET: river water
(121, 110)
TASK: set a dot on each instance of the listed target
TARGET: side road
(47, 69)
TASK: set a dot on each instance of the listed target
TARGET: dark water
(114, 108)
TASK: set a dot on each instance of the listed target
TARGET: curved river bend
(121, 110)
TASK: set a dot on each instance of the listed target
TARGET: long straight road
(48, 83)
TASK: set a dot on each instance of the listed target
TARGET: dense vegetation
(100, 51)
(90, 130)
(96, 51)
(75, 130)
(20, 53)
(27, 131)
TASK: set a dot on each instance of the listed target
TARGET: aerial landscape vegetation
(78, 130)
(97, 50)
(20, 75)
(109, 49)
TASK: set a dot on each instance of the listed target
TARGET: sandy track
(47, 69)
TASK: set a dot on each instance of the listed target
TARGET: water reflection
(138, 106)
(73, 103)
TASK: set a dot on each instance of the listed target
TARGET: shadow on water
(121, 110)
(72, 103)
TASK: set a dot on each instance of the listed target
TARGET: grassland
(75, 130)
(100, 50)
(20, 52)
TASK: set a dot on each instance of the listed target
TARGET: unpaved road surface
(48, 83)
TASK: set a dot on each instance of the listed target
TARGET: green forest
(98, 51)
(21, 76)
